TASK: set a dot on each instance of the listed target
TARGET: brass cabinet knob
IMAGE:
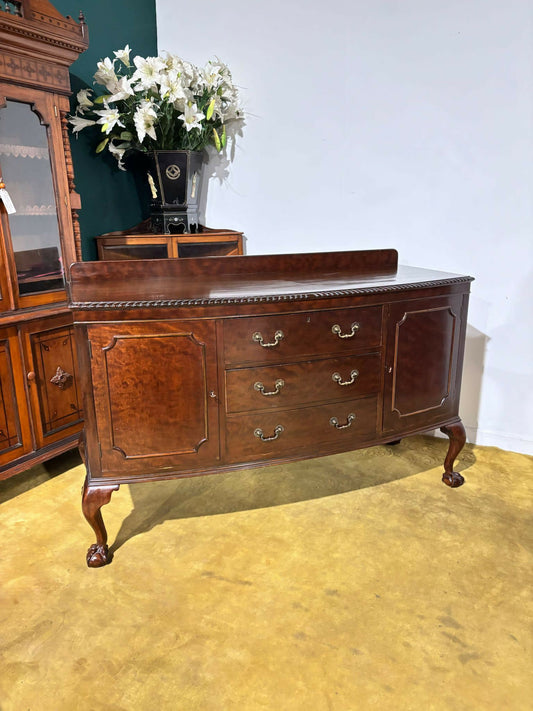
(31, 375)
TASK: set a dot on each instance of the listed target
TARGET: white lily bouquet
(159, 103)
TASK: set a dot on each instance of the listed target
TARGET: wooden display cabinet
(138, 243)
(40, 414)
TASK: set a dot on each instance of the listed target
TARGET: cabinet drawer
(309, 428)
(265, 339)
(293, 384)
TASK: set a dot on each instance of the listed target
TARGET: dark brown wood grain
(198, 366)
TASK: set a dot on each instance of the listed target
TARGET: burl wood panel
(154, 385)
(423, 355)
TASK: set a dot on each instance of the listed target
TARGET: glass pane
(27, 173)
(207, 249)
(136, 251)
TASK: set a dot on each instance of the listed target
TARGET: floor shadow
(277, 485)
(38, 474)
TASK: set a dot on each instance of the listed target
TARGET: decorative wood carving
(274, 298)
(27, 40)
(61, 378)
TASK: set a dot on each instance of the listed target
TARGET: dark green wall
(108, 195)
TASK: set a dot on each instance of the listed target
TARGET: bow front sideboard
(201, 366)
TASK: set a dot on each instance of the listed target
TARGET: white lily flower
(118, 152)
(122, 90)
(80, 123)
(144, 120)
(106, 73)
(148, 73)
(123, 55)
(191, 117)
(173, 90)
(84, 103)
(163, 98)
(109, 118)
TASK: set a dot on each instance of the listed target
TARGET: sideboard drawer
(265, 339)
(293, 384)
(275, 433)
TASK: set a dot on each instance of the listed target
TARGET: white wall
(390, 124)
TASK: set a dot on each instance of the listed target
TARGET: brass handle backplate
(337, 330)
(335, 423)
(337, 377)
(277, 387)
(278, 429)
(258, 338)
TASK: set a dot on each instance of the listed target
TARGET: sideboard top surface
(243, 279)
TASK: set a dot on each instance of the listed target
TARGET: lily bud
(100, 147)
(210, 109)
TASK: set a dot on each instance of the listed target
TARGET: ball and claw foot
(457, 435)
(98, 556)
(453, 479)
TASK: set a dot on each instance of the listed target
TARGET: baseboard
(509, 442)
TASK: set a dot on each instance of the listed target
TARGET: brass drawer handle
(277, 385)
(337, 377)
(335, 423)
(258, 338)
(278, 429)
(337, 330)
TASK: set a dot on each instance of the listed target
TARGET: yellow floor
(351, 582)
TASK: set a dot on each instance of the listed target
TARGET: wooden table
(201, 366)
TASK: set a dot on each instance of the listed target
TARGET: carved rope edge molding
(305, 296)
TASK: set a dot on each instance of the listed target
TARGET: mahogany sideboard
(200, 366)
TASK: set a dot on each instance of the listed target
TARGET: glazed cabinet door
(15, 435)
(52, 376)
(32, 166)
(154, 393)
(425, 342)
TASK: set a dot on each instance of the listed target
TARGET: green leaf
(126, 136)
(101, 99)
(100, 147)
(224, 138)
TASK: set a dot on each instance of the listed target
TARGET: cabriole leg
(94, 497)
(457, 435)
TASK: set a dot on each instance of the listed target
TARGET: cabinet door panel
(423, 369)
(15, 439)
(54, 390)
(152, 385)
